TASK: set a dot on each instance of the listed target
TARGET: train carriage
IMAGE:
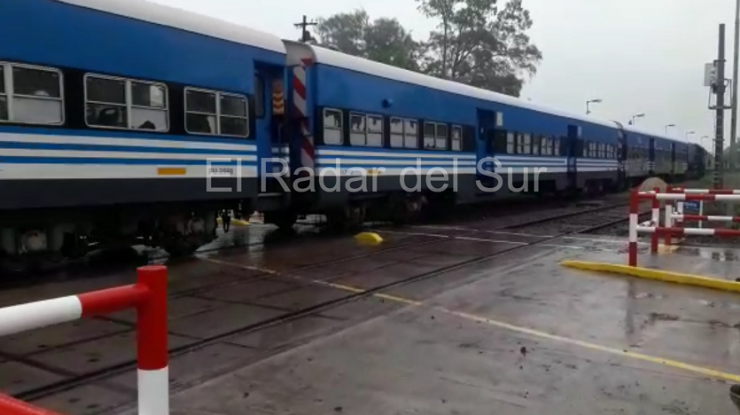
(128, 121)
(363, 114)
(113, 116)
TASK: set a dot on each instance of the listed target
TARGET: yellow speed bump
(237, 222)
(368, 238)
(656, 274)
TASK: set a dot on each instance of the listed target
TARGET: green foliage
(475, 42)
(382, 40)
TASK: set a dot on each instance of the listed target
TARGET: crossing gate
(148, 296)
(672, 218)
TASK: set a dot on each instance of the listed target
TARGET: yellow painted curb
(237, 222)
(656, 274)
(369, 238)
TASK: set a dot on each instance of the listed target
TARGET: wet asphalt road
(513, 334)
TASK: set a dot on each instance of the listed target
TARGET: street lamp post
(668, 125)
(636, 116)
(688, 134)
(592, 101)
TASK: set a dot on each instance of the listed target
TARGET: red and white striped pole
(148, 296)
(151, 343)
(634, 208)
(668, 216)
(656, 222)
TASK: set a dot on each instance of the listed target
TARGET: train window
(31, 95)
(375, 131)
(410, 133)
(510, 142)
(358, 129)
(542, 144)
(404, 132)
(125, 104)
(149, 106)
(332, 126)
(233, 117)
(200, 112)
(442, 134)
(259, 97)
(556, 146)
(216, 113)
(396, 132)
(536, 144)
(456, 140)
(430, 134)
(3, 96)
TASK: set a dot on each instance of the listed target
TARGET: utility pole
(719, 139)
(303, 25)
(733, 120)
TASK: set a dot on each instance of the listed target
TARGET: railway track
(568, 223)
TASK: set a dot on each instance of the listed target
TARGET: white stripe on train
(205, 144)
(107, 171)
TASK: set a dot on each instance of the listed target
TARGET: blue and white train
(128, 121)
(367, 114)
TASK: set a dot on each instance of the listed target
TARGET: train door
(651, 157)
(572, 152)
(621, 155)
(489, 135)
(269, 124)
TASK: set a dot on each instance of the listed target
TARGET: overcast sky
(638, 56)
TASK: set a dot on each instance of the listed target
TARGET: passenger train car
(383, 119)
(113, 115)
(124, 121)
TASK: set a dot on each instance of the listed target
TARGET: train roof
(180, 19)
(632, 129)
(338, 59)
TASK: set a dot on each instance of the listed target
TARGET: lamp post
(688, 134)
(668, 125)
(636, 116)
(592, 101)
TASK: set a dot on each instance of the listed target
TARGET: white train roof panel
(180, 19)
(341, 60)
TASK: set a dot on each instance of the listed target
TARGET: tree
(479, 45)
(383, 40)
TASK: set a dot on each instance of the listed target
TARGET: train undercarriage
(37, 237)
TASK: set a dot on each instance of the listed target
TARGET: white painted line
(463, 238)
(464, 229)
(466, 238)
(431, 235)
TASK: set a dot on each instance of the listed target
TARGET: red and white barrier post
(634, 213)
(151, 344)
(669, 228)
(656, 222)
(148, 296)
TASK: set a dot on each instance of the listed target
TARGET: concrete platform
(528, 337)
